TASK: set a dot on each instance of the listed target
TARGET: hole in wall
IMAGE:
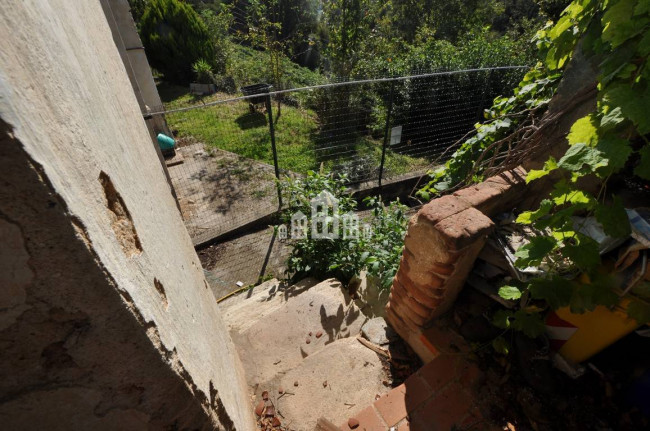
(121, 221)
(161, 290)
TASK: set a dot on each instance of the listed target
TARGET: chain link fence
(231, 151)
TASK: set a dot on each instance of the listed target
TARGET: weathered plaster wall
(106, 321)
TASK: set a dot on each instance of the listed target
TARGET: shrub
(203, 72)
(175, 37)
(376, 251)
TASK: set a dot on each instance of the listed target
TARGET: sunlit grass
(232, 126)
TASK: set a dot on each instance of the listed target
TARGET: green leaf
(509, 292)
(586, 297)
(533, 252)
(584, 131)
(556, 291)
(614, 218)
(584, 254)
(642, 7)
(611, 119)
(579, 155)
(639, 311)
(618, 25)
(634, 104)
(615, 152)
(549, 166)
(643, 168)
(501, 346)
(501, 318)
(527, 217)
(530, 324)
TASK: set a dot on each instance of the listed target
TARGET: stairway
(301, 340)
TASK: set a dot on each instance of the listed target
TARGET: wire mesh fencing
(231, 151)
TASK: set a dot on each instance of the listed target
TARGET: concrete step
(270, 327)
(332, 384)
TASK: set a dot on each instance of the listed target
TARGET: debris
(310, 333)
(319, 334)
(374, 347)
(353, 423)
(270, 411)
(280, 390)
(307, 341)
(573, 371)
(295, 383)
(276, 422)
(324, 425)
(277, 362)
(240, 284)
(265, 395)
(259, 408)
(325, 384)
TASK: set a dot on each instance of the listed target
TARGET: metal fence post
(386, 130)
(273, 149)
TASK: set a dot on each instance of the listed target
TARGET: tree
(175, 37)
(137, 9)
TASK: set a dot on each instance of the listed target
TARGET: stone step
(332, 383)
(270, 325)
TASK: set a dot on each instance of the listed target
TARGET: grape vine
(602, 144)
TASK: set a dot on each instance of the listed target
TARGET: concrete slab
(353, 375)
(271, 325)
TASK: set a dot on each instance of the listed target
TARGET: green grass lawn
(233, 127)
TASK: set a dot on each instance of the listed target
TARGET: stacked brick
(441, 245)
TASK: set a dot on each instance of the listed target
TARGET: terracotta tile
(392, 406)
(417, 391)
(443, 411)
(474, 421)
(439, 372)
(369, 420)
(446, 340)
(471, 377)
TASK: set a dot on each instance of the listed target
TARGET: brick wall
(442, 242)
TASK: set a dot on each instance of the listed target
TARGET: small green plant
(321, 258)
(203, 72)
(377, 248)
(383, 249)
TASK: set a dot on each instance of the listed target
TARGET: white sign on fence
(396, 135)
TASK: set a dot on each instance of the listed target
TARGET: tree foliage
(175, 37)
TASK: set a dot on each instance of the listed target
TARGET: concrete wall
(106, 321)
(129, 45)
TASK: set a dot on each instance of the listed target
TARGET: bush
(376, 251)
(203, 72)
(175, 38)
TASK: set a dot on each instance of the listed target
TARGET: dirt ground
(219, 191)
